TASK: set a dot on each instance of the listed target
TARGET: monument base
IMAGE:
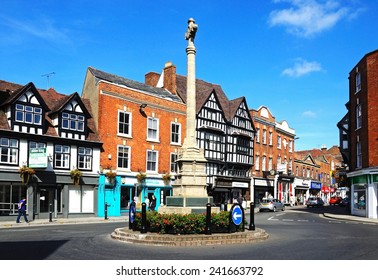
(187, 205)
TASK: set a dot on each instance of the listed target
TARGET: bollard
(50, 214)
(252, 217)
(143, 228)
(208, 219)
(106, 211)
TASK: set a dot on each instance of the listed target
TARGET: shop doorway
(45, 200)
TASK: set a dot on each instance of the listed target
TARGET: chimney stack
(169, 73)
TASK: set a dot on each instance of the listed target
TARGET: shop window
(81, 199)
(359, 198)
(10, 195)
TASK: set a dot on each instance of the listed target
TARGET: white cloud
(302, 67)
(308, 17)
(309, 114)
(42, 28)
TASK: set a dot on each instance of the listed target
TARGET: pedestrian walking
(22, 210)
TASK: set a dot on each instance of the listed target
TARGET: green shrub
(185, 223)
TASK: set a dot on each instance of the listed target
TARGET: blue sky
(293, 56)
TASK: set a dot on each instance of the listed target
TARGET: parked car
(271, 205)
(314, 202)
(335, 200)
(345, 202)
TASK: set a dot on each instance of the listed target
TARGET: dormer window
(73, 121)
(28, 114)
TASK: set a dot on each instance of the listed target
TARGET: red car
(335, 200)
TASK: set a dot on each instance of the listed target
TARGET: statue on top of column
(191, 32)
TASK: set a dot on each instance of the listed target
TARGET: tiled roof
(133, 84)
(203, 91)
(53, 100)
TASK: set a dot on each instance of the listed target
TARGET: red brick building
(142, 128)
(320, 171)
(359, 134)
(274, 157)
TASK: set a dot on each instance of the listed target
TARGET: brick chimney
(151, 79)
(169, 73)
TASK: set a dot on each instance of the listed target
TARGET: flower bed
(185, 223)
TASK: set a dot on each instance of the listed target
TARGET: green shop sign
(37, 158)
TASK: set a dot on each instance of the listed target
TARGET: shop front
(301, 190)
(227, 191)
(315, 188)
(117, 196)
(285, 188)
(262, 188)
(364, 193)
(47, 193)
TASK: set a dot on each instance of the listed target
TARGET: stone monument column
(190, 189)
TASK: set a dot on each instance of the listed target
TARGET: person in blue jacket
(22, 210)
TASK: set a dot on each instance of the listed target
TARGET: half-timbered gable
(25, 110)
(240, 140)
(70, 118)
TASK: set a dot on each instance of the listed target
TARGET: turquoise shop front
(116, 196)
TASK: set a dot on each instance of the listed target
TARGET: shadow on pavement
(28, 250)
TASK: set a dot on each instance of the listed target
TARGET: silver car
(271, 205)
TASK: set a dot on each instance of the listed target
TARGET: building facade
(325, 172)
(142, 127)
(49, 153)
(274, 157)
(359, 134)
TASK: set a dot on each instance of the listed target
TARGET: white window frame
(87, 158)
(358, 155)
(257, 137)
(73, 121)
(22, 111)
(174, 133)
(278, 142)
(128, 157)
(270, 138)
(257, 162)
(65, 153)
(129, 124)
(358, 116)
(9, 149)
(264, 137)
(263, 163)
(358, 82)
(173, 165)
(152, 161)
(151, 129)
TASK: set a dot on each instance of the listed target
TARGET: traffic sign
(237, 214)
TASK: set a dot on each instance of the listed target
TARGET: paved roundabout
(185, 240)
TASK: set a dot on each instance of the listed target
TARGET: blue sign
(132, 212)
(237, 215)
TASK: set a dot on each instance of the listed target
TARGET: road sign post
(236, 215)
